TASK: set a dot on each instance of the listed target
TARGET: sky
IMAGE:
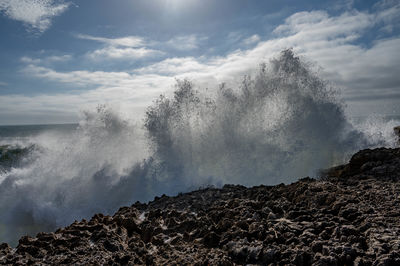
(59, 58)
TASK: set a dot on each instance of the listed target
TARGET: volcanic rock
(351, 216)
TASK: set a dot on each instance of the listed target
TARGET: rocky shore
(351, 216)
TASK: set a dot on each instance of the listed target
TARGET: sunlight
(178, 5)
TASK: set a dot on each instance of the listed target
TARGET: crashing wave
(281, 124)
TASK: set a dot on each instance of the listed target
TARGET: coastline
(349, 216)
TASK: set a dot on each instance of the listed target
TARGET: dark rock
(211, 240)
(349, 217)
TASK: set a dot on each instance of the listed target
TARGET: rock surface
(351, 216)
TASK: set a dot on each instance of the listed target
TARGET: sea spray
(379, 130)
(282, 124)
(276, 126)
(72, 176)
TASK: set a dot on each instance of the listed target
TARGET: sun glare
(178, 5)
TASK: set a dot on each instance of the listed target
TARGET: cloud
(234, 36)
(343, 5)
(251, 40)
(102, 80)
(389, 14)
(128, 41)
(136, 47)
(185, 42)
(37, 15)
(330, 41)
(367, 73)
(321, 26)
(111, 52)
(29, 60)
(174, 66)
(130, 92)
(47, 59)
(58, 58)
(80, 78)
(125, 48)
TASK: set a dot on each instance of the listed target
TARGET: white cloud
(389, 14)
(58, 58)
(103, 81)
(330, 41)
(251, 40)
(29, 60)
(128, 91)
(128, 41)
(367, 73)
(80, 78)
(319, 25)
(47, 59)
(174, 66)
(136, 47)
(111, 52)
(36, 14)
(125, 48)
(185, 42)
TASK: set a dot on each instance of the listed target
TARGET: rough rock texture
(349, 217)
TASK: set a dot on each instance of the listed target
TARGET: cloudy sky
(58, 58)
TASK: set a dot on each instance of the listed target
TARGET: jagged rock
(348, 217)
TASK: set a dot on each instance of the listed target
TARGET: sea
(19, 134)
